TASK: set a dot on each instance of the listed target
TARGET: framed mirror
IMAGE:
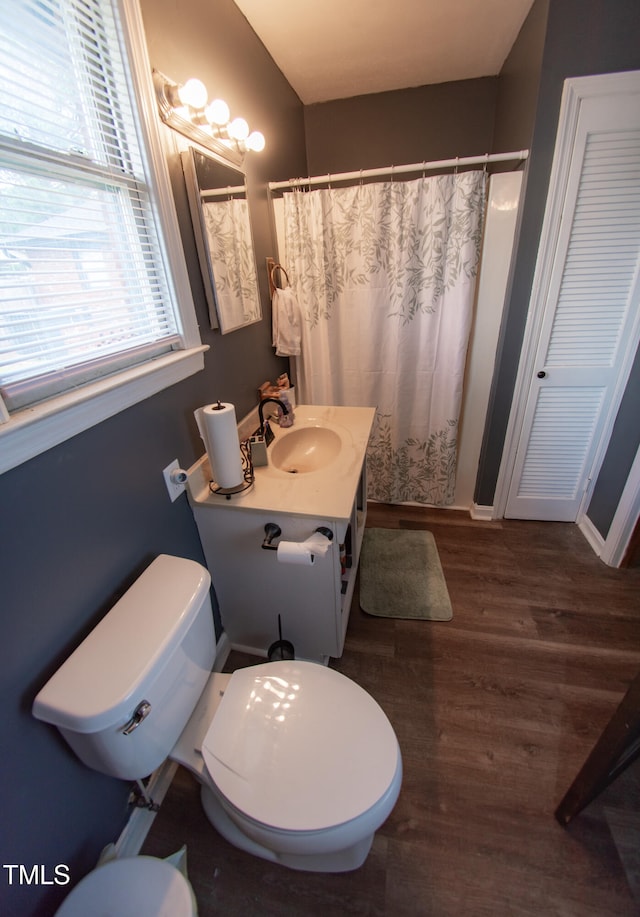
(222, 227)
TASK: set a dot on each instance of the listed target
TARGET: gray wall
(403, 126)
(583, 37)
(81, 521)
(519, 82)
(519, 109)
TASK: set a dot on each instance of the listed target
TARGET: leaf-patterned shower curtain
(228, 232)
(385, 277)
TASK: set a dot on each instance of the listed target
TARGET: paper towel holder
(247, 470)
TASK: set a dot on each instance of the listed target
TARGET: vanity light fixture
(238, 129)
(217, 112)
(193, 94)
(255, 142)
(185, 108)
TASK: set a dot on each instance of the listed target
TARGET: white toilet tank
(147, 660)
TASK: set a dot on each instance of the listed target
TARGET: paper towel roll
(219, 431)
(295, 552)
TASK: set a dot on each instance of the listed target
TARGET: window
(91, 268)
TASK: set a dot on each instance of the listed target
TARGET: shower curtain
(228, 233)
(385, 277)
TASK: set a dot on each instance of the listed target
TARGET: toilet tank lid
(97, 684)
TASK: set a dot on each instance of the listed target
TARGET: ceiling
(335, 49)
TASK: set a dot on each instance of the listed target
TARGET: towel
(286, 323)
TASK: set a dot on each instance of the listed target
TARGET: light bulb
(217, 112)
(255, 141)
(239, 129)
(193, 93)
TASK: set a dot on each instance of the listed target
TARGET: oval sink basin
(304, 450)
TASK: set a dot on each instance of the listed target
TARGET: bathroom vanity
(316, 478)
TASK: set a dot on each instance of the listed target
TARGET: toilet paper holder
(272, 530)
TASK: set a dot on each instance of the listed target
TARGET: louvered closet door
(590, 314)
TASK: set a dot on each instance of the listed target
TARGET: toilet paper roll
(219, 431)
(295, 552)
(318, 543)
(303, 552)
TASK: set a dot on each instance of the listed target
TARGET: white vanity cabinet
(252, 586)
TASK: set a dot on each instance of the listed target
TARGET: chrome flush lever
(142, 712)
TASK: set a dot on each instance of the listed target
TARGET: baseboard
(249, 650)
(134, 833)
(592, 535)
(481, 512)
(223, 648)
(485, 513)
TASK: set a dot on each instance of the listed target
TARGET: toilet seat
(298, 747)
(137, 886)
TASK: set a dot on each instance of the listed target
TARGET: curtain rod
(398, 170)
(221, 192)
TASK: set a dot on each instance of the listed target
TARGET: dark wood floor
(495, 712)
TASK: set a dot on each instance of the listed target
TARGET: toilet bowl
(131, 887)
(297, 763)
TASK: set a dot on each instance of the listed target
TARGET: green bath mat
(401, 576)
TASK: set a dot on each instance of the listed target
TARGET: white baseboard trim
(134, 833)
(250, 650)
(474, 510)
(592, 535)
(481, 512)
(223, 648)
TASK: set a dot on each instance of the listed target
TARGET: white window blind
(83, 284)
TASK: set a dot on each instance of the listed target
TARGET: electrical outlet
(173, 478)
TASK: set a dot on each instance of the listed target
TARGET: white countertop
(328, 492)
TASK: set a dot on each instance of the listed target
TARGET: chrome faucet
(285, 410)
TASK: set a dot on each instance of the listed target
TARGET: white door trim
(625, 518)
(575, 91)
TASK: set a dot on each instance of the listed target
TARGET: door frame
(574, 92)
(612, 550)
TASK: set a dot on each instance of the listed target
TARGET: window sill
(34, 430)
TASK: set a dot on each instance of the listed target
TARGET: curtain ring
(486, 163)
(424, 168)
(455, 170)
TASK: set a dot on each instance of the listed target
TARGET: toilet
(132, 887)
(297, 763)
